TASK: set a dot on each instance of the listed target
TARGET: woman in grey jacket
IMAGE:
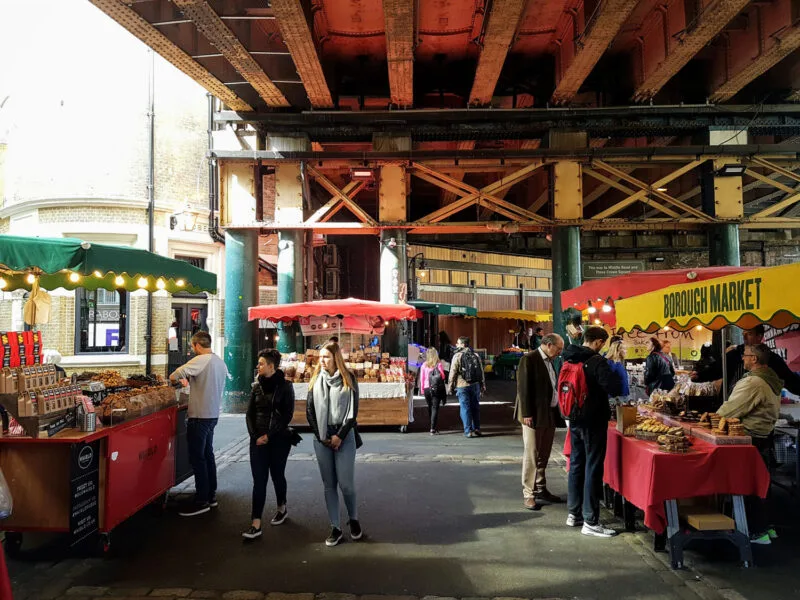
(332, 409)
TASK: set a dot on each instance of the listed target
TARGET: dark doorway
(187, 319)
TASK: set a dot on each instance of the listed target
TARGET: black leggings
(433, 406)
(265, 460)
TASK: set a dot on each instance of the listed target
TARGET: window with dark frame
(101, 321)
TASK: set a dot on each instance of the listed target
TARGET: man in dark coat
(735, 363)
(537, 411)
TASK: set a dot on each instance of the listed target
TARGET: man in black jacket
(537, 411)
(735, 363)
(588, 435)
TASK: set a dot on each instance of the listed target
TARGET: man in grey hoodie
(756, 401)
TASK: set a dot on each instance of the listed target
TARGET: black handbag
(294, 437)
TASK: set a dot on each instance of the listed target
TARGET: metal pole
(151, 196)
(723, 341)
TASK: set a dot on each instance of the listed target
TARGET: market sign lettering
(736, 296)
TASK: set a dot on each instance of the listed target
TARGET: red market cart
(87, 483)
(381, 403)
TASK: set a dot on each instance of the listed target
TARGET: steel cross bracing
(671, 211)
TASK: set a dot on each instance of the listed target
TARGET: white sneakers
(597, 530)
(573, 521)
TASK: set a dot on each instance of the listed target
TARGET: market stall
(433, 317)
(705, 454)
(505, 363)
(80, 457)
(384, 388)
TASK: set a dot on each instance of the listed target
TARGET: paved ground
(442, 516)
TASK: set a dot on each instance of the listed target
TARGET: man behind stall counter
(205, 374)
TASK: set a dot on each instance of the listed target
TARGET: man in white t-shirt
(206, 375)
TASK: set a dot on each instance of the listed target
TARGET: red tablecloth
(647, 477)
(5, 582)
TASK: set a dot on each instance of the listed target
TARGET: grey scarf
(333, 403)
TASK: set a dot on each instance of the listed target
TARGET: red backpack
(572, 390)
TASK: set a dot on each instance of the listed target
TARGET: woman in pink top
(432, 384)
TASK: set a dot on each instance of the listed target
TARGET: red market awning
(634, 284)
(348, 307)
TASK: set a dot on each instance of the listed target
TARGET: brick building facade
(83, 172)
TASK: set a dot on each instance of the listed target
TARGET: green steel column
(290, 286)
(566, 250)
(393, 286)
(241, 292)
(723, 241)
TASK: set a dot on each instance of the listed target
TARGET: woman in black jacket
(658, 370)
(268, 416)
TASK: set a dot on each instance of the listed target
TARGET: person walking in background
(332, 410)
(575, 330)
(537, 411)
(268, 416)
(536, 339)
(658, 371)
(587, 377)
(445, 346)
(205, 374)
(468, 381)
(616, 360)
(666, 350)
(432, 384)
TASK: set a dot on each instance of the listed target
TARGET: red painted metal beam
(577, 56)
(769, 36)
(298, 38)
(399, 17)
(504, 19)
(668, 40)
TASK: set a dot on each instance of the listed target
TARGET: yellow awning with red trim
(770, 295)
(520, 315)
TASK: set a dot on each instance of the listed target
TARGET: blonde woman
(432, 384)
(616, 360)
(331, 410)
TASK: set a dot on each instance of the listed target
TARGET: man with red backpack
(584, 385)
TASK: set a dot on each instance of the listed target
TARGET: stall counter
(379, 404)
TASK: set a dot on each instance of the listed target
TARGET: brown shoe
(547, 498)
(530, 504)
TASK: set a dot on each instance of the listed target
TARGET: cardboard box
(709, 521)
(626, 416)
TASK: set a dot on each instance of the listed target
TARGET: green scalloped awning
(440, 308)
(71, 263)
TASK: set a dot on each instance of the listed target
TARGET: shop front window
(101, 321)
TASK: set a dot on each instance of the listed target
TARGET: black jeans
(758, 514)
(266, 460)
(200, 438)
(433, 406)
(585, 481)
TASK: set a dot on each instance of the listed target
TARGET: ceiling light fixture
(591, 310)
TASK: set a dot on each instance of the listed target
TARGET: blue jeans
(585, 480)
(469, 400)
(337, 468)
(200, 438)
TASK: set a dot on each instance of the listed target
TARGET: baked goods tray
(694, 430)
(721, 440)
